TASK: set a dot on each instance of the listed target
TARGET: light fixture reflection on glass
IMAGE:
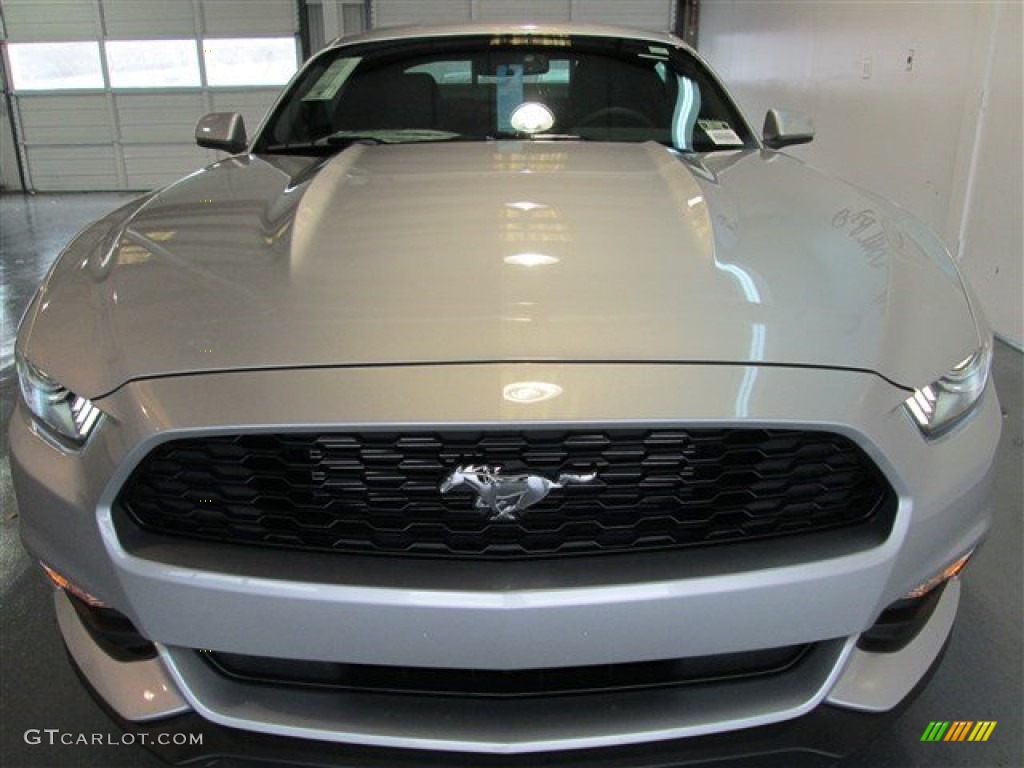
(530, 391)
(695, 201)
(530, 260)
(525, 205)
(532, 117)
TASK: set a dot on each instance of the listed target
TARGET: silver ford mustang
(504, 395)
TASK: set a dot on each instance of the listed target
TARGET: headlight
(60, 410)
(939, 406)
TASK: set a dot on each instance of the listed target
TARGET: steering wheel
(634, 116)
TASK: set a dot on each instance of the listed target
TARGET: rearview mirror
(222, 130)
(529, 63)
(784, 127)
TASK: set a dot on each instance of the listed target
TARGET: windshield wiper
(332, 143)
(395, 136)
(555, 137)
(522, 136)
(299, 148)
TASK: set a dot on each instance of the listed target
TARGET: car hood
(507, 251)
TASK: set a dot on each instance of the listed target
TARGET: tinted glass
(603, 89)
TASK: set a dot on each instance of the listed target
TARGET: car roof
(420, 31)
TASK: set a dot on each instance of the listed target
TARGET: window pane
(249, 61)
(446, 71)
(152, 63)
(53, 66)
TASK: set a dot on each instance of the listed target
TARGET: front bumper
(855, 680)
(823, 590)
(814, 740)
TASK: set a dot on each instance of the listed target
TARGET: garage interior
(920, 102)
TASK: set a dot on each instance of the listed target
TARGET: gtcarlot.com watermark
(55, 736)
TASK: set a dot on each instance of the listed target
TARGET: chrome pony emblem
(507, 497)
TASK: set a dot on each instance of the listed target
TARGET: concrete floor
(980, 678)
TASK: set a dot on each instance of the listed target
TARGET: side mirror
(222, 130)
(783, 127)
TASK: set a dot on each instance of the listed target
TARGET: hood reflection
(530, 391)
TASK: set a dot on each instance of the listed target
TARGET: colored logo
(959, 730)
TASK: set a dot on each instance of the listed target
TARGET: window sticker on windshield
(332, 79)
(720, 133)
(509, 93)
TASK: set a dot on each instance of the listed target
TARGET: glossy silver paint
(877, 682)
(512, 727)
(222, 130)
(504, 252)
(942, 487)
(415, 287)
(783, 127)
(139, 691)
(523, 616)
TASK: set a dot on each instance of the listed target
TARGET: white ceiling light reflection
(532, 117)
(530, 260)
(530, 391)
(525, 205)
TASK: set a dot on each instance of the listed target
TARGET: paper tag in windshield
(332, 79)
(720, 133)
(509, 93)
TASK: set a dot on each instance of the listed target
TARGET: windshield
(495, 87)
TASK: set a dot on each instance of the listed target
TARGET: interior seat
(601, 85)
(387, 99)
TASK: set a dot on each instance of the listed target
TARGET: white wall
(993, 211)
(913, 132)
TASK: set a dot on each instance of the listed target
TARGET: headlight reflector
(59, 409)
(943, 403)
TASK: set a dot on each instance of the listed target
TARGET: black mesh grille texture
(521, 683)
(378, 492)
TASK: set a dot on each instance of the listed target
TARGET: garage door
(645, 14)
(107, 92)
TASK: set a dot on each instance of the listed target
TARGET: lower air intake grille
(378, 492)
(364, 678)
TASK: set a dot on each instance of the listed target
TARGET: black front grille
(525, 683)
(378, 492)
